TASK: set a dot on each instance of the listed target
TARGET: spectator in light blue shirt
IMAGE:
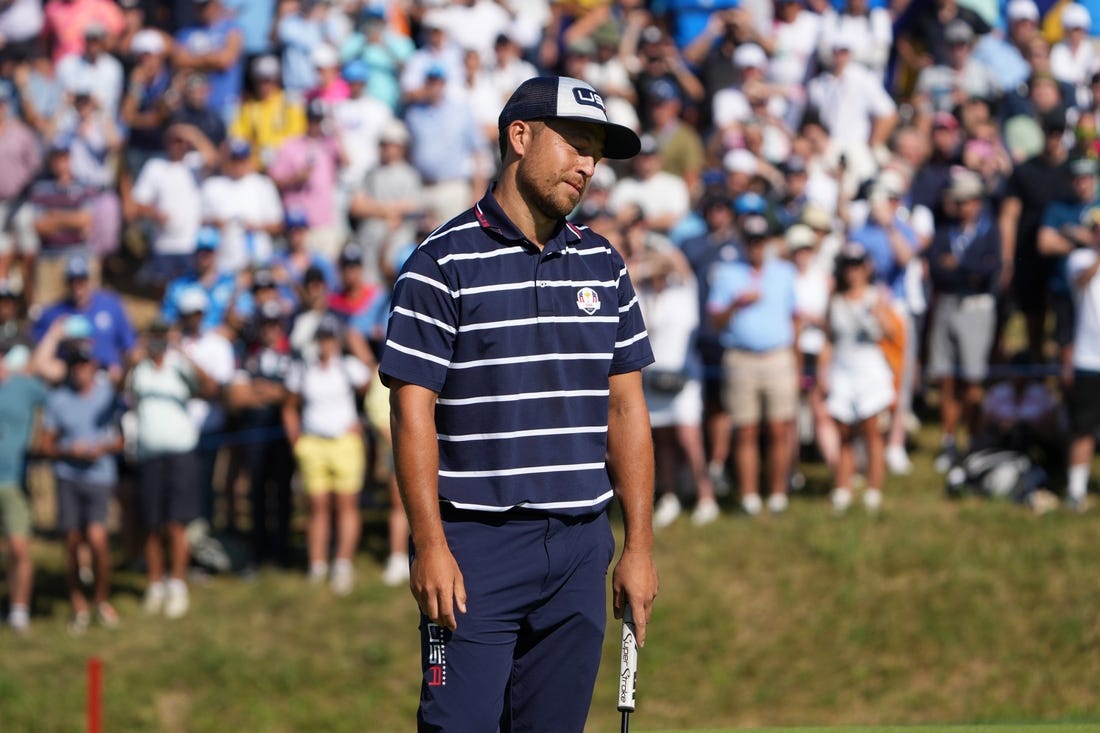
(255, 18)
(220, 287)
(447, 149)
(300, 33)
(752, 305)
(887, 238)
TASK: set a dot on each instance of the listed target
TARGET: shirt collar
(491, 217)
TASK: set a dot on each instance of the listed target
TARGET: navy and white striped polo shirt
(519, 344)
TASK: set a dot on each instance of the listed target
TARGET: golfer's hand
(437, 585)
(634, 582)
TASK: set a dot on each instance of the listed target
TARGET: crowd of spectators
(836, 204)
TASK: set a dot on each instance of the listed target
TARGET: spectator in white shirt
(324, 430)
(167, 194)
(94, 70)
(854, 108)
(244, 206)
(1073, 59)
(870, 31)
(662, 198)
(359, 121)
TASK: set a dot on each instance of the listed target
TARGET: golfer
(514, 356)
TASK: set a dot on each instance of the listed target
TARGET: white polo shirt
(1086, 341)
(327, 392)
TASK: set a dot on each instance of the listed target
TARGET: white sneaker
(19, 619)
(778, 503)
(841, 499)
(177, 600)
(397, 570)
(154, 598)
(897, 460)
(751, 504)
(318, 571)
(343, 578)
(668, 509)
(706, 511)
(872, 501)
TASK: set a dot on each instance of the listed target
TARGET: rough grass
(936, 613)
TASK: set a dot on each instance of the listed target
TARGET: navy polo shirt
(519, 343)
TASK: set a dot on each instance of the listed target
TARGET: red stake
(95, 695)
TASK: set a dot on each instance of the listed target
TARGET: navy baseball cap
(296, 219)
(565, 98)
(239, 148)
(77, 268)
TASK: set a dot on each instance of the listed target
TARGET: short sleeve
(144, 191)
(294, 376)
(357, 372)
(632, 349)
(423, 325)
(1078, 261)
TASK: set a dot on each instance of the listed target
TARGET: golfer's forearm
(630, 464)
(416, 462)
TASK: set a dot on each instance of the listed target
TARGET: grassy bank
(937, 612)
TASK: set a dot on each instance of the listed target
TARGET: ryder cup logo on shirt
(588, 301)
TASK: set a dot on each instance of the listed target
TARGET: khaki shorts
(15, 513)
(331, 464)
(377, 405)
(756, 385)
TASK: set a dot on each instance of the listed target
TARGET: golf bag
(997, 474)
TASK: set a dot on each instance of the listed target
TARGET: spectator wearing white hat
(1073, 59)
(144, 111)
(438, 52)
(298, 33)
(387, 202)
(964, 261)
(1005, 53)
(330, 86)
(731, 106)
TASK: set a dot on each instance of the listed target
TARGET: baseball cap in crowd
(77, 268)
(958, 31)
(652, 34)
(840, 42)
(296, 219)
(750, 56)
(263, 279)
(817, 218)
(269, 312)
(147, 41)
(740, 161)
(355, 72)
(851, 253)
(324, 56)
(434, 21)
(239, 148)
(60, 145)
(316, 109)
(755, 228)
(965, 185)
(565, 98)
(372, 12)
(800, 237)
(207, 239)
(663, 90)
(265, 67)
(394, 132)
(7, 289)
(1079, 167)
(750, 203)
(329, 326)
(1075, 17)
(314, 274)
(583, 46)
(889, 184)
(944, 121)
(436, 71)
(351, 254)
(79, 351)
(192, 301)
(1053, 120)
(95, 31)
(157, 337)
(794, 164)
(1018, 10)
(647, 145)
(716, 200)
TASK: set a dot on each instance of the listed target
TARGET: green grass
(937, 613)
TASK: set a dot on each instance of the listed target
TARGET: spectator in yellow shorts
(323, 427)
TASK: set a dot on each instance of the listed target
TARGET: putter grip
(628, 663)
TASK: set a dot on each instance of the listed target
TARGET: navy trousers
(525, 655)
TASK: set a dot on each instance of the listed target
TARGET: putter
(628, 669)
